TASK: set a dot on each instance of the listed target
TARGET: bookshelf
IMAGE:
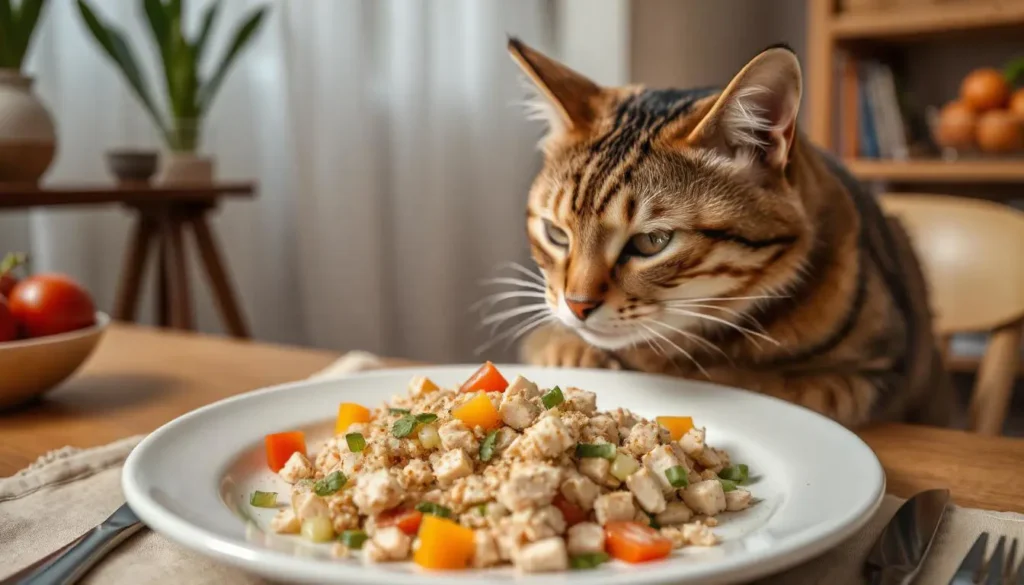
(833, 91)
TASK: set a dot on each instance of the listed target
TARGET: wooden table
(162, 215)
(140, 378)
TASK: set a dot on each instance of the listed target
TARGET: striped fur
(781, 276)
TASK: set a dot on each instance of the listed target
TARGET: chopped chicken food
(508, 474)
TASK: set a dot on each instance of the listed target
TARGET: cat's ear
(567, 101)
(755, 116)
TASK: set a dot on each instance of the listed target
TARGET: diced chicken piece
(624, 419)
(647, 490)
(451, 466)
(696, 533)
(658, 461)
(285, 522)
(351, 464)
(537, 524)
(518, 412)
(297, 467)
(706, 520)
(503, 440)
(529, 485)
(580, 490)
(542, 556)
(599, 470)
(340, 551)
(675, 513)
(575, 422)
(601, 426)
(708, 474)
(580, 400)
(522, 387)
(421, 385)
(614, 507)
(642, 517)
(486, 553)
(309, 505)
(377, 491)
(416, 475)
(693, 441)
(585, 537)
(641, 439)
(737, 500)
(455, 435)
(548, 436)
(674, 534)
(711, 459)
(705, 497)
(388, 544)
(469, 491)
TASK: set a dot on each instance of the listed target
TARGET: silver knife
(69, 564)
(899, 552)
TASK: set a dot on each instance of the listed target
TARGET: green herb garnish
(727, 484)
(737, 473)
(353, 539)
(330, 484)
(404, 426)
(602, 450)
(356, 442)
(426, 417)
(487, 446)
(588, 561)
(263, 499)
(399, 410)
(552, 398)
(677, 476)
(654, 524)
(482, 509)
(434, 509)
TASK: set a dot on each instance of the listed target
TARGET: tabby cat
(698, 233)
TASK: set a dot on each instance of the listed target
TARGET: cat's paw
(573, 352)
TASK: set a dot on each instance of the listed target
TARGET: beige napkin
(69, 491)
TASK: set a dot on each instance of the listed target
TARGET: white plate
(818, 483)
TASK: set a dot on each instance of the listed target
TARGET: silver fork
(998, 569)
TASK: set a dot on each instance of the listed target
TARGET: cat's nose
(582, 308)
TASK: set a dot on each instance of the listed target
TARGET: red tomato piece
(633, 542)
(48, 304)
(8, 326)
(572, 513)
(487, 378)
(281, 446)
(408, 521)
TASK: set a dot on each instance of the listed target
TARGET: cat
(697, 233)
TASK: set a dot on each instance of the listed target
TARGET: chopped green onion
(404, 426)
(552, 398)
(356, 442)
(677, 476)
(399, 410)
(654, 524)
(738, 473)
(330, 484)
(482, 509)
(727, 485)
(434, 509)
(487, 446)
(588, 561)
(602, 450)
(426, 417)
(353, 539)
(318, 529)
(263, 499)
(623, 466)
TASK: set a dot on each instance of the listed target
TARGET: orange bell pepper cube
(633, 542)
(444, 544)
(572, 513)
(478, 411)
(281, 446)
(349, 413)
(487, 378)
(408, 521)
(677, 425)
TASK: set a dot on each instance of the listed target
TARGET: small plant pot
(132, 166)
(185, 168)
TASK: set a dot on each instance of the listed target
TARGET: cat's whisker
(687, 334)
(514, 282)
(514, 332)
(676, 346)
(746, 331)
(710, 299)
(507, 314)
(750, 319)
(524, 329)
(493, 299)
(523, 270)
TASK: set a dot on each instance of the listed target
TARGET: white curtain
(391, 160)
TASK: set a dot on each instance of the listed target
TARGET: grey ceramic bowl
(132, 165)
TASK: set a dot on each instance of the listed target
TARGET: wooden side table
(163, 213)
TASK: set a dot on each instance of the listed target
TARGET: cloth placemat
(68, 491)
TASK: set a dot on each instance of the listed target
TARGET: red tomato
(408, 521)
(8, 326)
(7, 283)
(572, 513)
(48, 304)
(281, 446)
(8, 265)
(487, 378)
(635, 543)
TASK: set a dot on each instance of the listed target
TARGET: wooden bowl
(33, 366)
(136, 166)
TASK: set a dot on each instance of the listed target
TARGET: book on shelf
(883, 126)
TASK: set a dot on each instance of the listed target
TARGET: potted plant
(188, 92)
(27, 136)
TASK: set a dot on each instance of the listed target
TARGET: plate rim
(278, 565)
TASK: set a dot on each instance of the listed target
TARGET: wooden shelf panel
(927, 171)
(927, 20)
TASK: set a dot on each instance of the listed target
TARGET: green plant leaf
(1014, 71)
(243, 35)
(28, 18)
(159, 24)
(112, 41)
(209, 17)
(8, 35)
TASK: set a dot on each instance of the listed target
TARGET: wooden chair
(972, 252)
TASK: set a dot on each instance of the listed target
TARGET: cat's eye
(648, 244)
(556, 235)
